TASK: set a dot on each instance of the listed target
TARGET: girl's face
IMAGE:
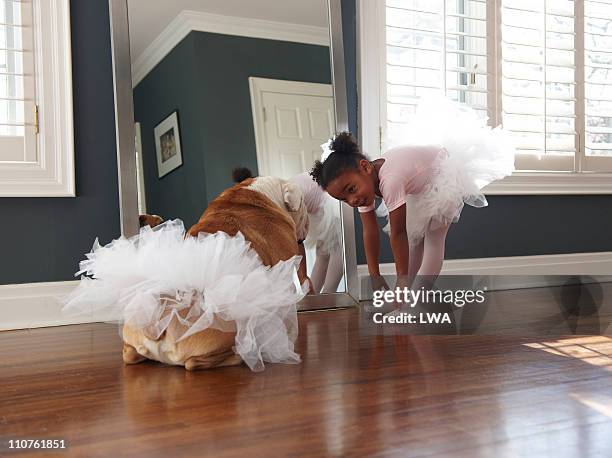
(356, 187)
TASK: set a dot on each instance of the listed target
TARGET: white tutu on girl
(148, 279)
(325, 227)
(473, 155)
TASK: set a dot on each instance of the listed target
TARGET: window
(538, 82)
(439, 49)
(538, 67)
(36, 137)
(17, 107)
(597, 84)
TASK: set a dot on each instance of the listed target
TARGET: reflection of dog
(271, 215)
(150, 220)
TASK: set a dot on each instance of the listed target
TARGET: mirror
(221, 84)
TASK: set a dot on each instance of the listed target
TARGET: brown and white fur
(150, 220)
(271, 214)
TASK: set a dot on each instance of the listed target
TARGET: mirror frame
(126, 155)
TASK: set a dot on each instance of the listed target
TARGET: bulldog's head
(287, 195)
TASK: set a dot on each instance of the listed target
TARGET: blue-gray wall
(206, 77)
(42, 239)
(510, 225)
(174, 84)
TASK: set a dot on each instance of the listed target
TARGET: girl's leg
(433, 257)
(431, 254)
(334, 270)
(319, 270)
(415, 258)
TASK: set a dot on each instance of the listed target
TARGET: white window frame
(371, 54)
(52, 174)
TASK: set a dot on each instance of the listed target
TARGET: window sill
(551, 183)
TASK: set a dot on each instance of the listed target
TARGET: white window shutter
(597, 85)
(538, 85)
(433, 46)
(18, 113)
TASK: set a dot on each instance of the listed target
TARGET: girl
(449, 157)
(324, 235)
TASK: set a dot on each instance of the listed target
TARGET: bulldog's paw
(131, 356)
(227, 358)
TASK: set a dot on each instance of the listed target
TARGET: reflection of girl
(324, 232)
(449, 155)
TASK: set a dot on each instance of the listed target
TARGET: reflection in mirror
(222, 84)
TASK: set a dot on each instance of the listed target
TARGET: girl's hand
(397, 305)
(402, 281)
(311, 289)
(378, 283)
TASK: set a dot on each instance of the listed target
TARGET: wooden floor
(353, 395)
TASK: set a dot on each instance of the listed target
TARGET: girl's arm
(371, 241)
(399, 240)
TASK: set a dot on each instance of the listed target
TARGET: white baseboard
(37, 305)
(521, 271)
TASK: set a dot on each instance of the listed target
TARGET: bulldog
(271, 214)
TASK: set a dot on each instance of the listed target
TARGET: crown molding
(187, 21)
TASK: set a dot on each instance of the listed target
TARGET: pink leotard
(406, 170)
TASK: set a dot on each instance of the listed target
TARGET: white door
(292, 119)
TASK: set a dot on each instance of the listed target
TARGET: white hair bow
(326, 147)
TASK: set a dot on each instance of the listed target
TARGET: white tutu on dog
(325, 228)
(148, 279)
(473, 155)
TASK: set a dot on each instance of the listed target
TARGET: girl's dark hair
(345, 155)
(240, 174)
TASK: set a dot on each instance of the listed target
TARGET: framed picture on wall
(168, 144)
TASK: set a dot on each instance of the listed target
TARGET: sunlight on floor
(595, 350)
